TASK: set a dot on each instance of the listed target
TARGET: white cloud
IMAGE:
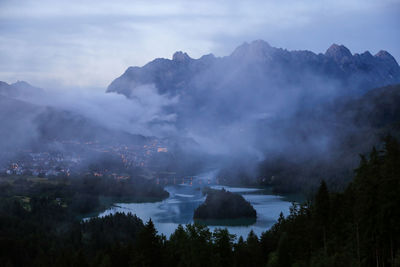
(142, 114)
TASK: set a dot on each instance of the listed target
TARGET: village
(76, 157)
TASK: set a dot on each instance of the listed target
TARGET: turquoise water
(185, 198)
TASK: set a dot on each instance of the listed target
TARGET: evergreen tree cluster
(357, 227)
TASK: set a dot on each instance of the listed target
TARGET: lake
(179, 207)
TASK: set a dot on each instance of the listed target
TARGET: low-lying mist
(257, 114)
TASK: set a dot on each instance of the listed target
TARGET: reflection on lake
(184, 199)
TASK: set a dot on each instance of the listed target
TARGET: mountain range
(262, 63)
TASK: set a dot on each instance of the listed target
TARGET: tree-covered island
(225, 205)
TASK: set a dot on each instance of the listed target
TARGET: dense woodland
(78, 195)
(357, 227)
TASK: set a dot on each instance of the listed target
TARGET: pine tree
(149, 247)
(322, 211)
(223, 245)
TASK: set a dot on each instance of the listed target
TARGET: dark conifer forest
(356, 227)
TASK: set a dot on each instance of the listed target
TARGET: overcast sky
(86, 44)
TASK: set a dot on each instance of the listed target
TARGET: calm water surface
(184, 199)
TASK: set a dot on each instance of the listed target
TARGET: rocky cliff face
(258, 62)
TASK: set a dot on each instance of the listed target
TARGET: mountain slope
(354, 126)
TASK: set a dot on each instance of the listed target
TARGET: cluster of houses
(45, 164)
(40, 164)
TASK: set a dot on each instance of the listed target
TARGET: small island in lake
(222, 207)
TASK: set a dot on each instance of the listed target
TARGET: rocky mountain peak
(180, 56)
(18, 89)
(21, 83)
(338, 52)
(208, 56)
(257, 49)
(260, 44)
(385, 56)
(367, 55)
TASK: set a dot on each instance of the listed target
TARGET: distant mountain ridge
(258, 60)
(18, 89)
